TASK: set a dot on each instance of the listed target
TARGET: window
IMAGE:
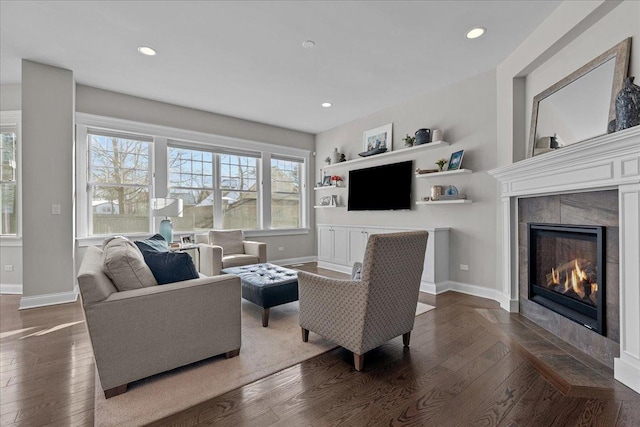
(8, 180)
(119, 184)
(239, 189)
(285, 194)
(191, 179)
(221, 180)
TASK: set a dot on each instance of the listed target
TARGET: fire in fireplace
(566, 271)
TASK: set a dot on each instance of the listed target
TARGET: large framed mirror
(581, 105)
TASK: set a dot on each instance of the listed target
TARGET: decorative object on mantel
(372, 152)
(436, 135)
(342, 158)
(337, 180)
(423, 136)
(584, 101)
(379, 138)
(423, 171)
(328, 160)
(628, 105)
(409, 141)
(456, 160)
(441, 164)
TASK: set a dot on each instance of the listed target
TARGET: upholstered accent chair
(227, 248)
(362, 314)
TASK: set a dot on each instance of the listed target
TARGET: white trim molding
(289, 261)
(606, 162)
(49, 299)
(10, 289)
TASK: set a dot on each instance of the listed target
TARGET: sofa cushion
(155, 243)
(124, 264)
(230, 240)
(170, 267)
(239, 259)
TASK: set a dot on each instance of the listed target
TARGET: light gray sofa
(142, 332)
(227, 248)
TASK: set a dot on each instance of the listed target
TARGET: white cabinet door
(357, 242)
(325, 244)
(339, 245)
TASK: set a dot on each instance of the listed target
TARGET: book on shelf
(452, 197)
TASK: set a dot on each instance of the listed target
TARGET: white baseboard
(335, 267)
(626, 373)
(289, 261)
(49, 299)
(8, 288)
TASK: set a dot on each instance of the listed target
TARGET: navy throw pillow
(155, 243)
(170, 267)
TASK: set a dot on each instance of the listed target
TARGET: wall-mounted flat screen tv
(381, 188)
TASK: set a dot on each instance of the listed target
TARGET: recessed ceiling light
(308, 44)
(474, 33)
(146, 50)
(326, 104)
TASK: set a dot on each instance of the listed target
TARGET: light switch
(55, 209)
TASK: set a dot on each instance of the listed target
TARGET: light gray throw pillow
(124, 264)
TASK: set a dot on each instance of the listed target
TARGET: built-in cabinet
(332, 245)
(340, 246)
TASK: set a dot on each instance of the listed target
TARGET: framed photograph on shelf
(186, 240)
(326, 180)
(325, 201)
(455, 162)
(379, 138)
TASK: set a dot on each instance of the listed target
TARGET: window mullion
(218, 221)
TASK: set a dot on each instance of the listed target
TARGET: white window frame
(194, 140)
(13, 118)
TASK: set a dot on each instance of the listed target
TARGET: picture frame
(378, 138)
(326, 180)
(186, 240)
(455, 162)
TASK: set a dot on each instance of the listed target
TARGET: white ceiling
(245, 58)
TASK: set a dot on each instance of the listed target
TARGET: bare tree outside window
(119, 179)
(191, 179)
(285, 194)
(238, 184)
(8, 184)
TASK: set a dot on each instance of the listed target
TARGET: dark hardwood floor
(470, 363)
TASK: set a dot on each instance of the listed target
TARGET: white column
(509, 300)
(627, 366)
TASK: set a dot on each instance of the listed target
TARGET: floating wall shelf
(390, 154)
(446, 202)
(443, 173)
(323, 207)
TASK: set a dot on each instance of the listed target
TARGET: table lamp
(166, 208)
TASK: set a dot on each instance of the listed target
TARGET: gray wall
(112, 104)
(48, 96)
(466, 112)
(10, 97)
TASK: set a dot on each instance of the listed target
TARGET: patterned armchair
(363, 313)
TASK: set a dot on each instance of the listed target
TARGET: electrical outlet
(281, 249)
(464, 267)
(55, 209)
(8, 267)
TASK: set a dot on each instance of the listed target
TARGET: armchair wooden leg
(405, 338)
(305, 335)
(108, 394)
(265, 317)
(232, 353)
(358, 361)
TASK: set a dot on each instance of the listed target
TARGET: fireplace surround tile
(586, 208)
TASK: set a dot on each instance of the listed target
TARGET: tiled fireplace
(593, 187)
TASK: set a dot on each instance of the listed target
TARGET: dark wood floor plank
(461, 367)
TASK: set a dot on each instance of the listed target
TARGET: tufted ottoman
(266, 285)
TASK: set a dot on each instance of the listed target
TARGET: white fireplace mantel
(607, 162)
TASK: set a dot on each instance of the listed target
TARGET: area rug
(264, 351)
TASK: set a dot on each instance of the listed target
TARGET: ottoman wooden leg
(265, 317)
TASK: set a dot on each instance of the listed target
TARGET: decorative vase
(335, 156)
(423, 136)
(628, 105)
